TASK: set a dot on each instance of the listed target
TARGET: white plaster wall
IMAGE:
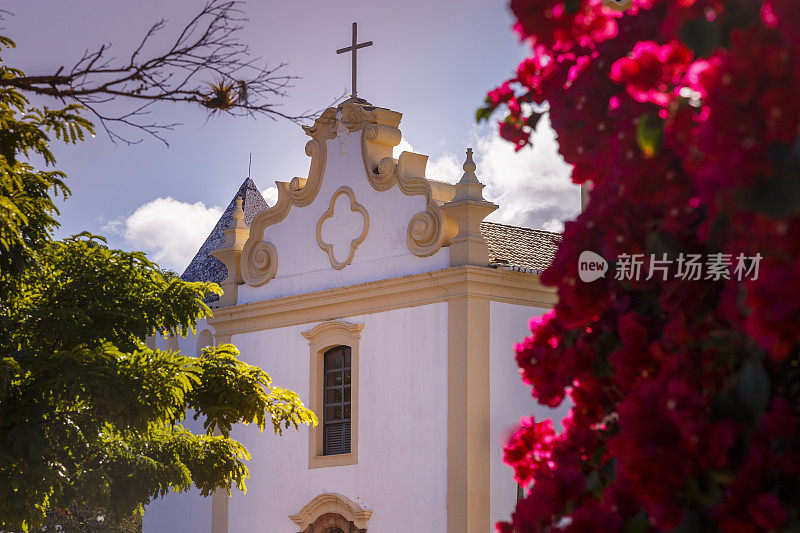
(303, 266)
(188, 344)
(402, 468)
(510, 399)
(187, 512)
(402, 427)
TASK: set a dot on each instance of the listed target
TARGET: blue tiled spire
(204, 266)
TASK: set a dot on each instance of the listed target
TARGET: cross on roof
(354, 48)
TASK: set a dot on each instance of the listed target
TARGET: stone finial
(238, 213)
(469, 169)
(469, 186)
(466, 211)
(237, 228)
(230, 252)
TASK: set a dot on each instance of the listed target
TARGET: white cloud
(270, 194)
(443, 168)
(404, 146)
(169, 231)
(532, 186)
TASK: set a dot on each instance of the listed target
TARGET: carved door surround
(332, 513)
(332, 523)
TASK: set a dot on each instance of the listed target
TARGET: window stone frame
(321, 338)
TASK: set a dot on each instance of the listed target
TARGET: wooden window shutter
(336, 401)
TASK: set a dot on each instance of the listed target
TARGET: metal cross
(354, 48)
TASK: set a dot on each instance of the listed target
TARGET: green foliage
(239, 392)
(27, 210)
(86, 519)
(58, 300)
(89, 413)
(90, 416)
(483, 113)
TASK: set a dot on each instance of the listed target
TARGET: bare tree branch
(205, 64)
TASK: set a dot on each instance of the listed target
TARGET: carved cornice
(355, 207)
(424, 233)
(324, 127)
(303, 191)
(352, 115)
(376, 151)
(356, 116)
(259, 262)
(300, 192)
(256, 269)
(333, 327)
(331, 503)
(378, 296)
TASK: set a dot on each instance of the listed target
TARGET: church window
(333, 393)
(337, 406)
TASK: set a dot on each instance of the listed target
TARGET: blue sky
(432, 60)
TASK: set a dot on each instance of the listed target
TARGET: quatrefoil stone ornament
(342, 228)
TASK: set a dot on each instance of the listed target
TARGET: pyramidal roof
(206, 267)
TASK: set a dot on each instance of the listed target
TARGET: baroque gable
(394, 210)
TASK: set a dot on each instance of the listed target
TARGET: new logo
(591, 266)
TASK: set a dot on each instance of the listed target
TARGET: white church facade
(387, 302)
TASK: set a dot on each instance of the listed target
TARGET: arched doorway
(332, 523)
(332, 513)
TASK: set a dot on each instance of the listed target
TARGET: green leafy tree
(27, 210)
(89, 519)
(90, 416)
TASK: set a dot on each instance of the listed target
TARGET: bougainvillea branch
(682, 118)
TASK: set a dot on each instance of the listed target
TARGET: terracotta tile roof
(519, 248)
(206, 267)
